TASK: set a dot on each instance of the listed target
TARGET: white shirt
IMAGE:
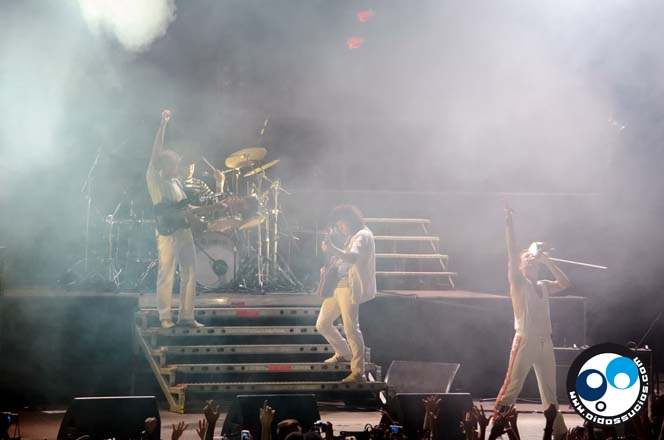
(362, 274)
(163, 190)
(533, 318)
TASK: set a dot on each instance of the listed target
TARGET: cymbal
(245, 157)
(262, 168)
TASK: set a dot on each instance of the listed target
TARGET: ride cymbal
(262, 168)
(245, 157)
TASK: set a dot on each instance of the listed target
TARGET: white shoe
(335, 359)
(167, 323)
(191, 323)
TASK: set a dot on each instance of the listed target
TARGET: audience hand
(431, 409)
(501, 422)
(202, 428)
(385, 419)
(211, 412)
(482, 419)
(513, 430)
(178, 430)
(469, 425)
(150, 425)
(266, 414)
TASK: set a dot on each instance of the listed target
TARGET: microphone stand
(87, 189)
(578, 263)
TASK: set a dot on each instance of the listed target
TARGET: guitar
(329, 274)
(171, 216)
(329, 277)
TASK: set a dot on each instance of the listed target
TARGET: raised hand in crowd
(202, 429)
(212, 413)
(150, 426)
(609, 432)
(266, 416)
(482, 420)
(513, 431)
(470, 426)
(576, 433)
(326, 429)
(385, 419)
(431, 409)
(178, 430)
(590, 430)
(501, 423)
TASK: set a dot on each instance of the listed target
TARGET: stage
(57, 345)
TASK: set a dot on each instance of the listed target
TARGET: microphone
(539, 247)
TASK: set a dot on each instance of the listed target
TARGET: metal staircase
(408, 256)
(248, 350)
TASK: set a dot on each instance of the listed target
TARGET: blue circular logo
(607, 384)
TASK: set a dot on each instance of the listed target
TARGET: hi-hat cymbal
(245, 157)
(262, 168)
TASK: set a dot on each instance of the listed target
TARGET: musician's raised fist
(165, 115)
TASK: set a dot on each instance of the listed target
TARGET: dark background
(445, 107)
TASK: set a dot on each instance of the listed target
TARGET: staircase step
(285, 387)
(418, 221)
(203, 350)
(413, 256)
(248, 312)
(260, 372)
(406, 238)
(283, 367)
(407, 273)
(295, 330)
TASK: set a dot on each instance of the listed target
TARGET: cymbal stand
(273, 252)
(259, 248)
(113, 272)
(87, 189)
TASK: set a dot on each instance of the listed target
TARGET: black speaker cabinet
(244, 412)
(453, 407)
(121, 417)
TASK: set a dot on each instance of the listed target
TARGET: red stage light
(364, 16)
(354, 42)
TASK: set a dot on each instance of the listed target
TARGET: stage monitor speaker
(420, 377)
(244, 412)
(452, 409)
(121, 417)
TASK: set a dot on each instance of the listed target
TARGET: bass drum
(215, 264)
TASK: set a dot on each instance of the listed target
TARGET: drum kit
(237, 234)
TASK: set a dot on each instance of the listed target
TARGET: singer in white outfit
(356, 284)
(532, 346)
(176, 247)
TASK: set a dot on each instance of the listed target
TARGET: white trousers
(535, 352)
(175, 249)
(332, 307)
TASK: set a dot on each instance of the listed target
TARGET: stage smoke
(135, 24)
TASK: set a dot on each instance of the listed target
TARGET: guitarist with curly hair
(354, 284)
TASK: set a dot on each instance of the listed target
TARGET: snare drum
(215, 264)
(246, 210)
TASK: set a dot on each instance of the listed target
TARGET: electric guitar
(329, 277)
(171, 216)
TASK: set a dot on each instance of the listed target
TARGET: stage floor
(40, 425)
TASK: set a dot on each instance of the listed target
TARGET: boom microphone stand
(87, 189)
